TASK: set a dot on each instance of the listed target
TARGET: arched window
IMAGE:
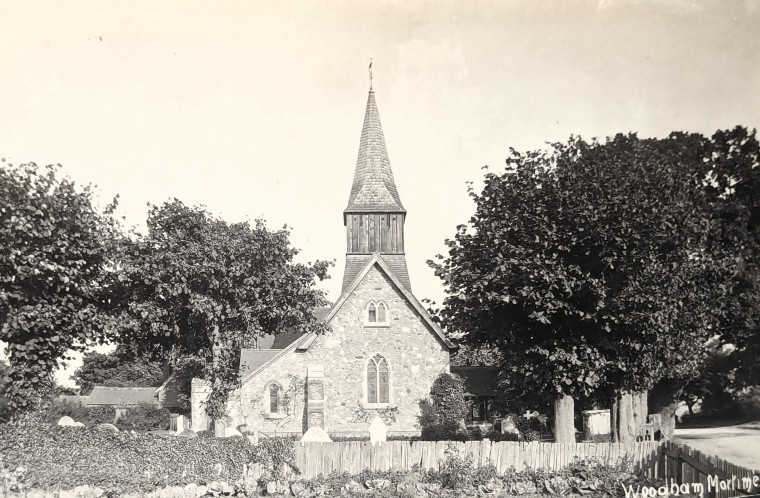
(378, 380)
(377, 313)
(274, 398)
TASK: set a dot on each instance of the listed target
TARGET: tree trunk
(640, 408)
(622, 420)
(645, 405)
(215, 354)
(614, 435)
(668, 420)
(564, 419)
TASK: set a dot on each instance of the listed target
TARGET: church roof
(380, 261)
(479, 381)
(373, 189)
(356, 263)
(119, 396)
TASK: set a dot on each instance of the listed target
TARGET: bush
(442, 414)
(144, 418)
(58, 457)
(749, 402)
(88, 415)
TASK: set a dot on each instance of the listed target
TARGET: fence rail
(313, 459)
(718, 478)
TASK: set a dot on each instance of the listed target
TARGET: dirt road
(739, 444)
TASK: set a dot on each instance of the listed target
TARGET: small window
(274, 398)
(377, 314)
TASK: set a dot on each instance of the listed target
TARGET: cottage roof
(119, 396)
(479, 381)
(373, 189)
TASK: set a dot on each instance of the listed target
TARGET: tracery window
(377, 313)
(378, 380)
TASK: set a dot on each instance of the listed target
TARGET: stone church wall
(415, 354)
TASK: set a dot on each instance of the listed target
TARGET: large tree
(120, 368)
(54, 276)
(589, 266)
(198, 289)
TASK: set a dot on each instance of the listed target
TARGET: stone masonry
(415, 354)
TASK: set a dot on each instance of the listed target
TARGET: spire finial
(370, 73)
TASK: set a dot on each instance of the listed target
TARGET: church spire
(374, 217)
(373, 188)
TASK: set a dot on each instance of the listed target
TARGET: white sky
(254, 108)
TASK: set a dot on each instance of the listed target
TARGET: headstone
(508, 426)
(232, 432)
(107, 427)
(66, 421)
(378, 431)
(316, 435)
(595, 422)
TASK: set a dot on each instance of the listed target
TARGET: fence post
(679, 465)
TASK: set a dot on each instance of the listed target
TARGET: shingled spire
(374, 218)
(373, 188)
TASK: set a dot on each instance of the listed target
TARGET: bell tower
(374, 218)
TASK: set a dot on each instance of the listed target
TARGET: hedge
(58, 457)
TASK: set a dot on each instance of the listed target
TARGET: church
(382, 350)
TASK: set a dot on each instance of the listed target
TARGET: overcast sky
(255, 108)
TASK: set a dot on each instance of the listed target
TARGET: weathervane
(370, 73)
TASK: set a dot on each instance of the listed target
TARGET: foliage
(362, 415)
(88, 415)
(64, 457)
(55, 278)
(442, 414)
(117, 369)
(198, 287)
(144, 418)
(480, 356)
(605, 265)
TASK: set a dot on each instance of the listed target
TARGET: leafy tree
(468, 355)
(589, 267)
(442, 414)
(117, 369)
(198, 289)
(54, 276)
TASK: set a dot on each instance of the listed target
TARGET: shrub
(88, 415)
(749, 402)
(144, 418)
(441, 415)
(65, 457)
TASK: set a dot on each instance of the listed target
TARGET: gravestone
(508, 426)
(66, 421)
(232, 432)
(378, 431)
(316, 435)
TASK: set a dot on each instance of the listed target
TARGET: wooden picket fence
(314, 459)
(719, 478)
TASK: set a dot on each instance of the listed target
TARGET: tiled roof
(479, 381)
(120, 396)
(253, 359)
(356, 262)
(285, 339)
(373, 189)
